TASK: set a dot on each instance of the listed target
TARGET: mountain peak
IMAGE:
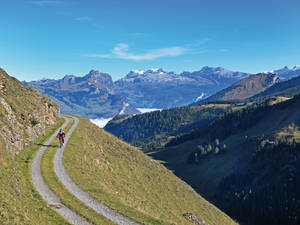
(93, 73)
(137, 71)
(205, 68)
(155, 71)
(285, 73)
(296, 67)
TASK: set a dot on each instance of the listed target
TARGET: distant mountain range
(96, 95)
(159, 89)
(285, 73)
(91, 96)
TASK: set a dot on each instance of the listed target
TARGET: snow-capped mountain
(156, 88)
(285, 73)
(152, 76)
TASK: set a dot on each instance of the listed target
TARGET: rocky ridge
(245, 88)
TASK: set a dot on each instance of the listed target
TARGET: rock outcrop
(24, 113)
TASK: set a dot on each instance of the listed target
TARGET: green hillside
(152, 130)
(245, 158)
(130, 182)
(24, 113)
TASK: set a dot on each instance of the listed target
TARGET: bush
(217, 150)
(34, 121)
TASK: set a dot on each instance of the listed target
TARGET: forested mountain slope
(243, 159)
(154, 129)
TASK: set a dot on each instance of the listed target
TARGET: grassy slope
(26, 206)
(127, 180)
(23, 100)
(65, 196)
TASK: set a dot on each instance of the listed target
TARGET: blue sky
(52, 38)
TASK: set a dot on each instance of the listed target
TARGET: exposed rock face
(24, 113)
(193, 218)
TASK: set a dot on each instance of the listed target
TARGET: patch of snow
(154, 70)
(145, 110)
(101, 122)
(123, 109)
(297, 67)
(201, 97)
(138, 71)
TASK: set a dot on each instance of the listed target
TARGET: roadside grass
(128, 181)
(20, 203)
(58, 188)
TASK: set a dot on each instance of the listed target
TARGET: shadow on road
(48, 146)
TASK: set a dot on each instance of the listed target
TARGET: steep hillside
(245, 158)
(286, 88)
(19, 202)
(24, 113)
(152, 130)
(130, 182)
(245, 88)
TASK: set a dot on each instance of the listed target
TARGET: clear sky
(52, 38)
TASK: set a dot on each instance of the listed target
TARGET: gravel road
(43, 189)
(83, 196)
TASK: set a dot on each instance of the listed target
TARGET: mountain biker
(61, 135)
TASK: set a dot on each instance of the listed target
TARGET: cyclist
(61, 135)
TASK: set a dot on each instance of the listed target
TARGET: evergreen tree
(209, 148)
(217, 142)
(217, 150)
